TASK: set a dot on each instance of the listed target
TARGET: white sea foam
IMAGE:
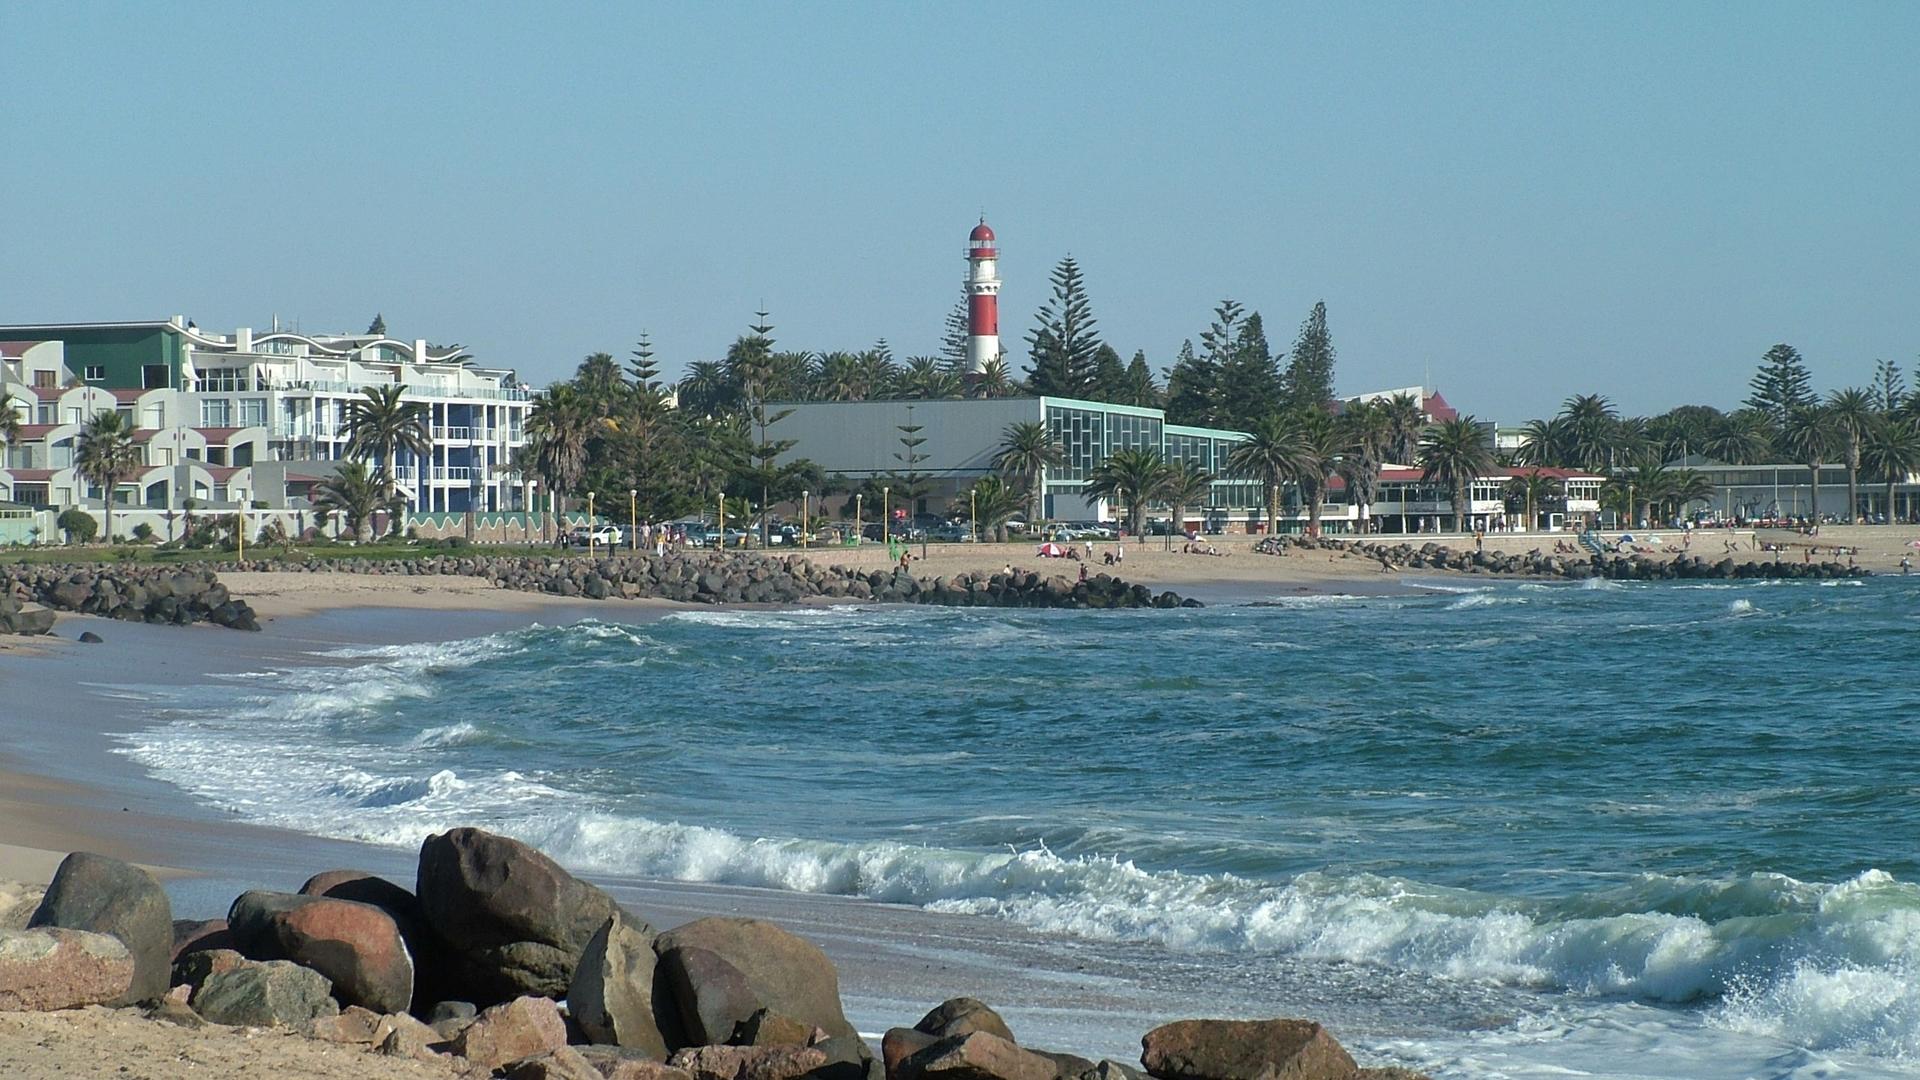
(1742, 607)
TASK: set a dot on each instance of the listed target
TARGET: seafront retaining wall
(1614, 567)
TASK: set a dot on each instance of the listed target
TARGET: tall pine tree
(1249, 382)
(1308, 383)
(1062, 345)
(953, 339)
(1782, 384)
(1142, 390)
(1109, 376)
(1190, 388)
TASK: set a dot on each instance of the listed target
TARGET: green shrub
(78, 525)
(143, 532)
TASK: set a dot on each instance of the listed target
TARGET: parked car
(950, 534)
(599, 536)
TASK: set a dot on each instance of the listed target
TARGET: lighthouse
(983, 299)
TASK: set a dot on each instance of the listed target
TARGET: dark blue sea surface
(1696, 802)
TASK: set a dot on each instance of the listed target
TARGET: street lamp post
(633, 519)
(804, 496)
(722, 503)
(973, 516)
(857, 536)
(886, 516)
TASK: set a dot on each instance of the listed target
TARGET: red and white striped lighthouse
(983, 299)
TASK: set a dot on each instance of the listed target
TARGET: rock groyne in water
(1536, 563)
(130, 593)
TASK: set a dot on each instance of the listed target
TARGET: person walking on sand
(1906, 565)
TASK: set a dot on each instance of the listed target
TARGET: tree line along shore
(499, 963)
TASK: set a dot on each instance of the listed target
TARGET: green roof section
(122, 351)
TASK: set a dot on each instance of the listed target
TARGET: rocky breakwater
(744, 578)
(499, 963)
(130, 593)
(1536, 563)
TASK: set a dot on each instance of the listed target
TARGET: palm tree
(1532, 489)
(1027, 450)
(1187, 485)
(1741, 438)
(108, 456)
(1648, 485)
(352, 493)
(1892, 452)
(1686, 487)
(925, 377)
(836, 377)
(1454, 453)
(1365, 431)
(1808, 435)
(1590, 422)
(558, 428)
(1546, 442)
(1320, 454)
(707, 389)
(1273, 453)
(995, 380)
(992, 502)
(1852, 411)
(1131, 476)
(380, 425)
(9, 422)
(1405, 423)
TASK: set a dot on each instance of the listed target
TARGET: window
(153, 377)
(216, 380)
(216, 455)
(44, 413)
(95, 372)
(30, 494)
(253, 412)
(216, 413)
(44, 379)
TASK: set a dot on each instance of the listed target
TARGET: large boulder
(711, 996)
(277, 993)
(199, 935)
(107, 896)
(53, 968)
(517, 1029)
(197, 967)
(364, 887)
(513, 921)
(974, 1056)
(788, 974)
(357, 946)
(1244, 1050)
(960, 1016)
(612, 995)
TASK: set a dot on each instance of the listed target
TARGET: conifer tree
(1109, 376)
(953, 341)
(1141, 389)
(1062, 345)
(646, 373)
(1308, 383)
(378, 327)
(1782, 384)
(1190, 388)
(1249, 381)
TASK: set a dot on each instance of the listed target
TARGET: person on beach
(1906, 565)
(1083, 571)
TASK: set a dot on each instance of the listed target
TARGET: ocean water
(1667, 830)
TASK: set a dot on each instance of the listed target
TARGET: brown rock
(514, 921)
(54, 968)
(711, 995)
(612, 996)
(769, 1028)
(520, 1028)
(356, 946)
(400, 1035)
(107, 896)
(1244, 1050)
(177, 1013)
(974, 1056)
(626, 1063)
(1066, 1066)
(404, 908)
(353, 1026)
(789, 974)
(565, 1063)
(748, 1062)
(194, 968)
(960, 1016)
(199, 935)
(899, 1044)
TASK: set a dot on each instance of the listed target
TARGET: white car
(600, 536)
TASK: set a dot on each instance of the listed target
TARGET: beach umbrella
(1052, 551)
(1655, 540)
(1626, 538)
(1913, 543)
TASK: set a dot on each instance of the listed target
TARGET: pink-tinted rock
(357, 946)
(562, 1064)
(974, 1056)
(55, 968)
(199, 935)
(520, 1028)
(899, 1044)
(1245, 1050)
(625, 1063)
(748, 1062)
(789, 974)
(353, 1026)
(400, 1035)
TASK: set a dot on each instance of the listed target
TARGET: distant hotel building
(245, 416)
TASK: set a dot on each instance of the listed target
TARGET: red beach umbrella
(1052, 551)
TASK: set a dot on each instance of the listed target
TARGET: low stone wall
(129, 593)
(1432, 556)
(735, 578)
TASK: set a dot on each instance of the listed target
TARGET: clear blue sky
(1527, 201)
